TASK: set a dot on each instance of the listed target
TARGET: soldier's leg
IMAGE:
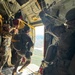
(16, 65)
(25, 65)
(61, 68)
(2, 62)
(9, 58)
(15, 69)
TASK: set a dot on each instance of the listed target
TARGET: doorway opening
(38, 46)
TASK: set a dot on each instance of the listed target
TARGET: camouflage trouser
(5, 56)
(24, 64)
(60, 67)
(8, 55)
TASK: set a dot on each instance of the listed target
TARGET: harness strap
(17, 51)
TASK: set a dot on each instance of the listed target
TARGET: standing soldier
(7, 43)
(24, 52)
(65, 50)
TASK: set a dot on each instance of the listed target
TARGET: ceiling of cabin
(30, 9)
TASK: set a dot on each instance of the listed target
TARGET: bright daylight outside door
(38, 46)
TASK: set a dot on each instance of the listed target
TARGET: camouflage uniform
(23, 47)
(65, 53)
(7, 46)
(6, 49)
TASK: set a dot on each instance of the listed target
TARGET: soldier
(65, 50)
(5, 49)
(24, 53)
(6, 44)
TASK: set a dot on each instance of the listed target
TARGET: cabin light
(65, 24)
(35, 18)
(0, 16)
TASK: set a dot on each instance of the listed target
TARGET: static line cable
(57, 38)
(48, 49)
(52, 34)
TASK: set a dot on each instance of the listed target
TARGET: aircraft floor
(29, 70)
